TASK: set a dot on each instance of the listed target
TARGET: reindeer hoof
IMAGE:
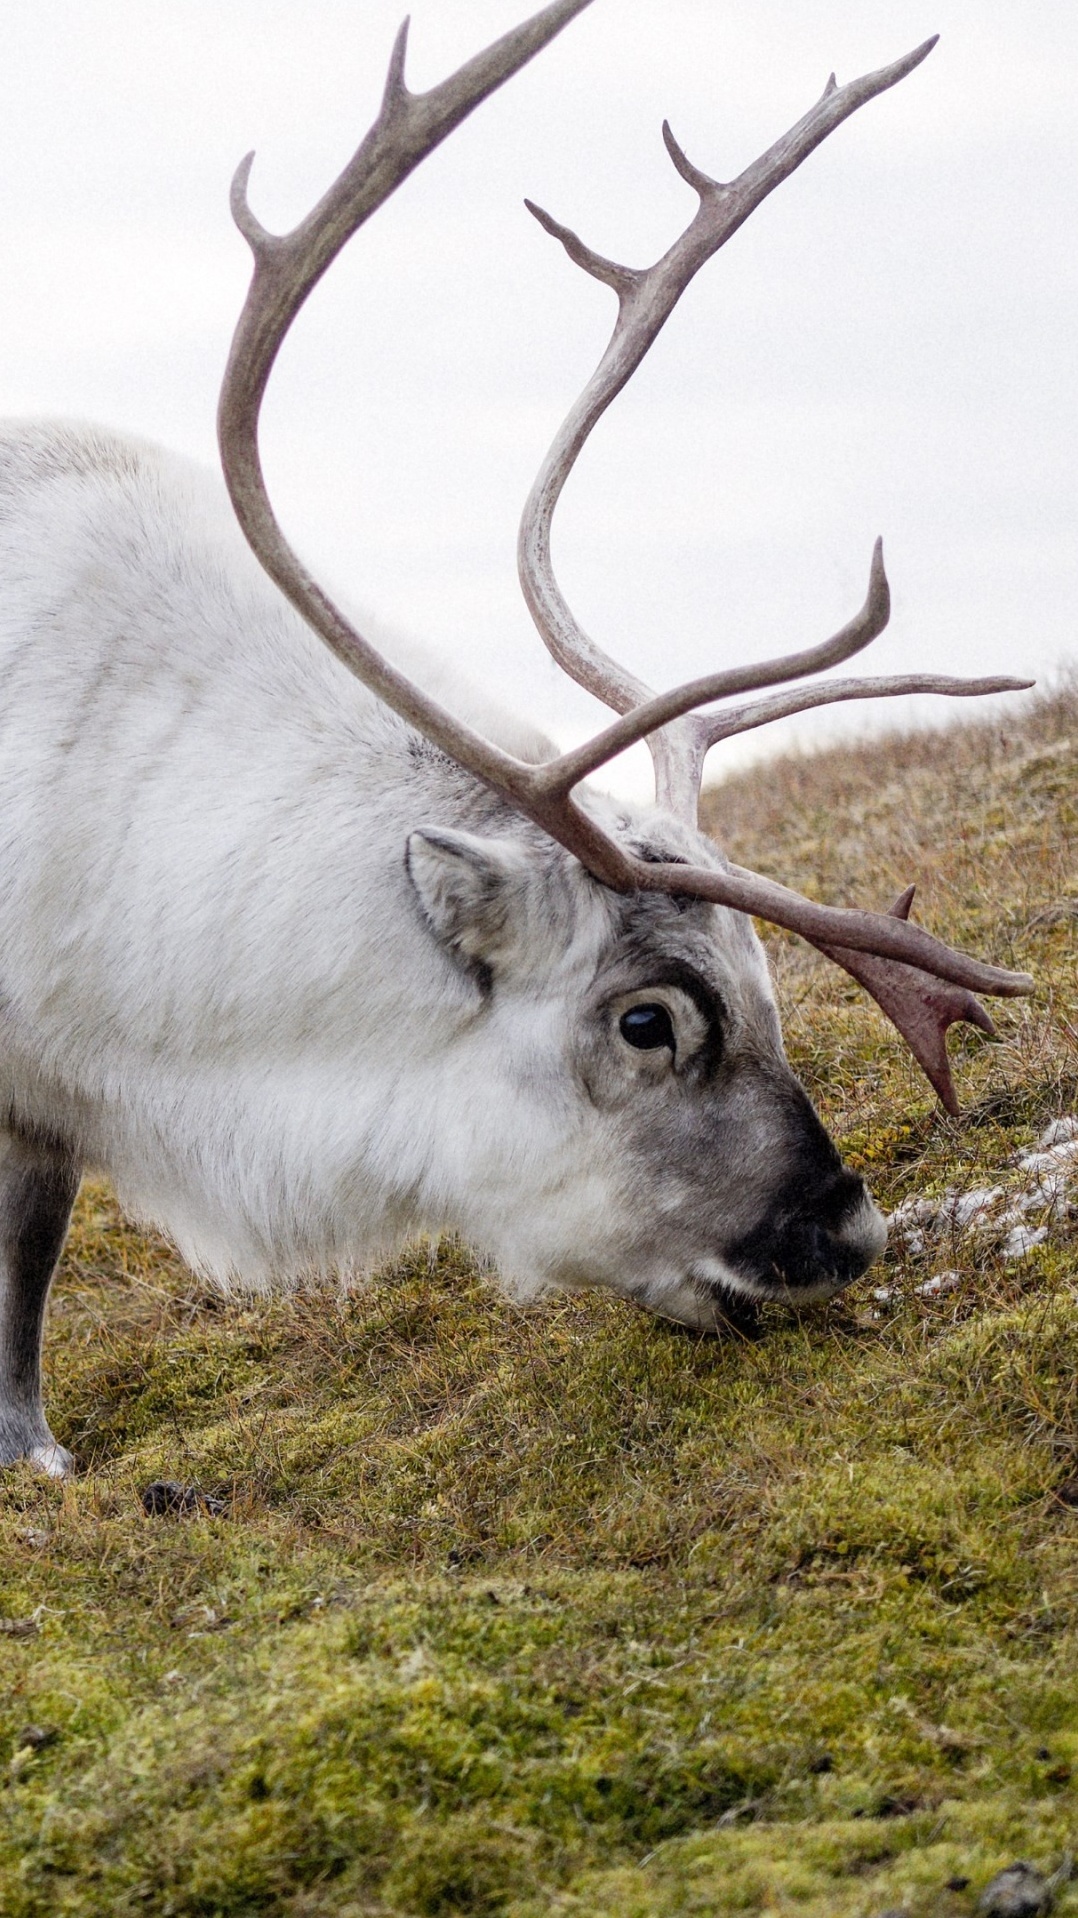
(54, 1459)
(37, 1445)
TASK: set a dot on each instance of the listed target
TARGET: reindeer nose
(834, 1248)
(814, 1244)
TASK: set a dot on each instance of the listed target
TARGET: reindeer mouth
(730, 1311)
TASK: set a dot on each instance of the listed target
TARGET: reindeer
(307, 962)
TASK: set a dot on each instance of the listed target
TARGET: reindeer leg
(38, 1183)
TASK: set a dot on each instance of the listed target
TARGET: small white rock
(1065, 1151)
(985, 1222)
(1049, 1194)
(884, 1294)
(966, 1207)
(1057, 1156)
(1022, 1240)
(1058, 1133)
(913, 1212)
(939, 1283)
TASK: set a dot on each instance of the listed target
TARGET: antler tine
(287, 267)
(801, 699)
(621, 278)
(692, 175)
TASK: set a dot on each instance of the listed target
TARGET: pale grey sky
(887, 346)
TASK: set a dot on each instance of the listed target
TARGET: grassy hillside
(564, 1612)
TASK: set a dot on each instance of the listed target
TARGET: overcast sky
(887, 346)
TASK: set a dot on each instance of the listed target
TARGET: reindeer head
(614, 1106)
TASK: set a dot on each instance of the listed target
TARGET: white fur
(218, 980)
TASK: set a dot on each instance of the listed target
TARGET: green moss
(563, 1612)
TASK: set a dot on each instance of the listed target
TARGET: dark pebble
(824, 1763)
(37, 1737)
(1067, 1492)
(165, 1498)
(958, 1884)
(896, 1807)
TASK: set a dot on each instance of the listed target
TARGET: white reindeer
(307, 965)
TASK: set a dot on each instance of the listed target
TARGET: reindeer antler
(901, 964)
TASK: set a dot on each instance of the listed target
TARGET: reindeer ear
(472, 891)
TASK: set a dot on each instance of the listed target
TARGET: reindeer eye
(647, 1028)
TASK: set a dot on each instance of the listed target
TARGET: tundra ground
(562, 1611)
